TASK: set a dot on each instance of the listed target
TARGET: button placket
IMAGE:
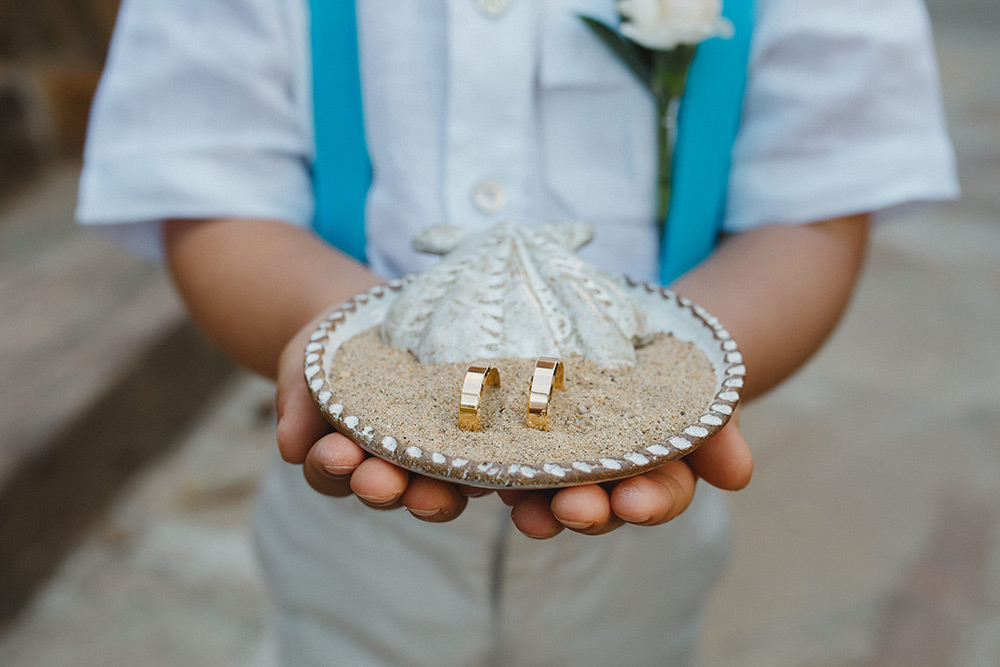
(489, 110)
(492, 8)
(489, 196)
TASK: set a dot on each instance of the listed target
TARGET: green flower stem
(665, 146)
(669, 73)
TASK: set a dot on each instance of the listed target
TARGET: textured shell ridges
(514, 292)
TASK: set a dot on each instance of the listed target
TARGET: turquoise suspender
(342, 172)
(709, 118)
(707, 122)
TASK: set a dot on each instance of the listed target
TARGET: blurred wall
(51, 52)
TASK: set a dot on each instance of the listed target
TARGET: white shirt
(205, 110)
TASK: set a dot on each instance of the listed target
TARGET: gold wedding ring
(548, 375)
(479, 375)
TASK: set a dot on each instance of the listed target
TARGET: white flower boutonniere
(657, 40)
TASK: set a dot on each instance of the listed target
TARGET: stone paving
(53, 279)
(870, 536)
(102, 373)
(168, 577)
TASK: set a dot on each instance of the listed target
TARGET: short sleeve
(201, 112)
(842, 114)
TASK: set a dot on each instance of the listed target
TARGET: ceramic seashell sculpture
(514, 292)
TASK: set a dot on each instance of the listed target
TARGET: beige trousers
(360, 587)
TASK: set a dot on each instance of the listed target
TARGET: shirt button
(489, 196)
(492, 8)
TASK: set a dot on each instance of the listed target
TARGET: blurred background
(130, 451)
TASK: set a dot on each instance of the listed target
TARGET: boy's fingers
(433, 500)
(378, 483)
(337, 488)
(335, 456)
(330, 463)
(532, 516)
(511, 497)
(655, 497)
(725, 460)
(585, 509)
(300, 423)
(473, 491)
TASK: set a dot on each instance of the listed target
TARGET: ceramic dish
(666, 312)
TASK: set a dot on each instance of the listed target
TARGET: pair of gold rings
(548, 375)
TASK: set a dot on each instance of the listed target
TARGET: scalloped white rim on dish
(665, 311)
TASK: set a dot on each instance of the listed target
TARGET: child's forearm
(780, 290)
(252, 284)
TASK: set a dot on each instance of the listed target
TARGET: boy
(475, 112)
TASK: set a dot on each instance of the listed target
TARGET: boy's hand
(239, 285)
(649, 499)
(336, 466)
